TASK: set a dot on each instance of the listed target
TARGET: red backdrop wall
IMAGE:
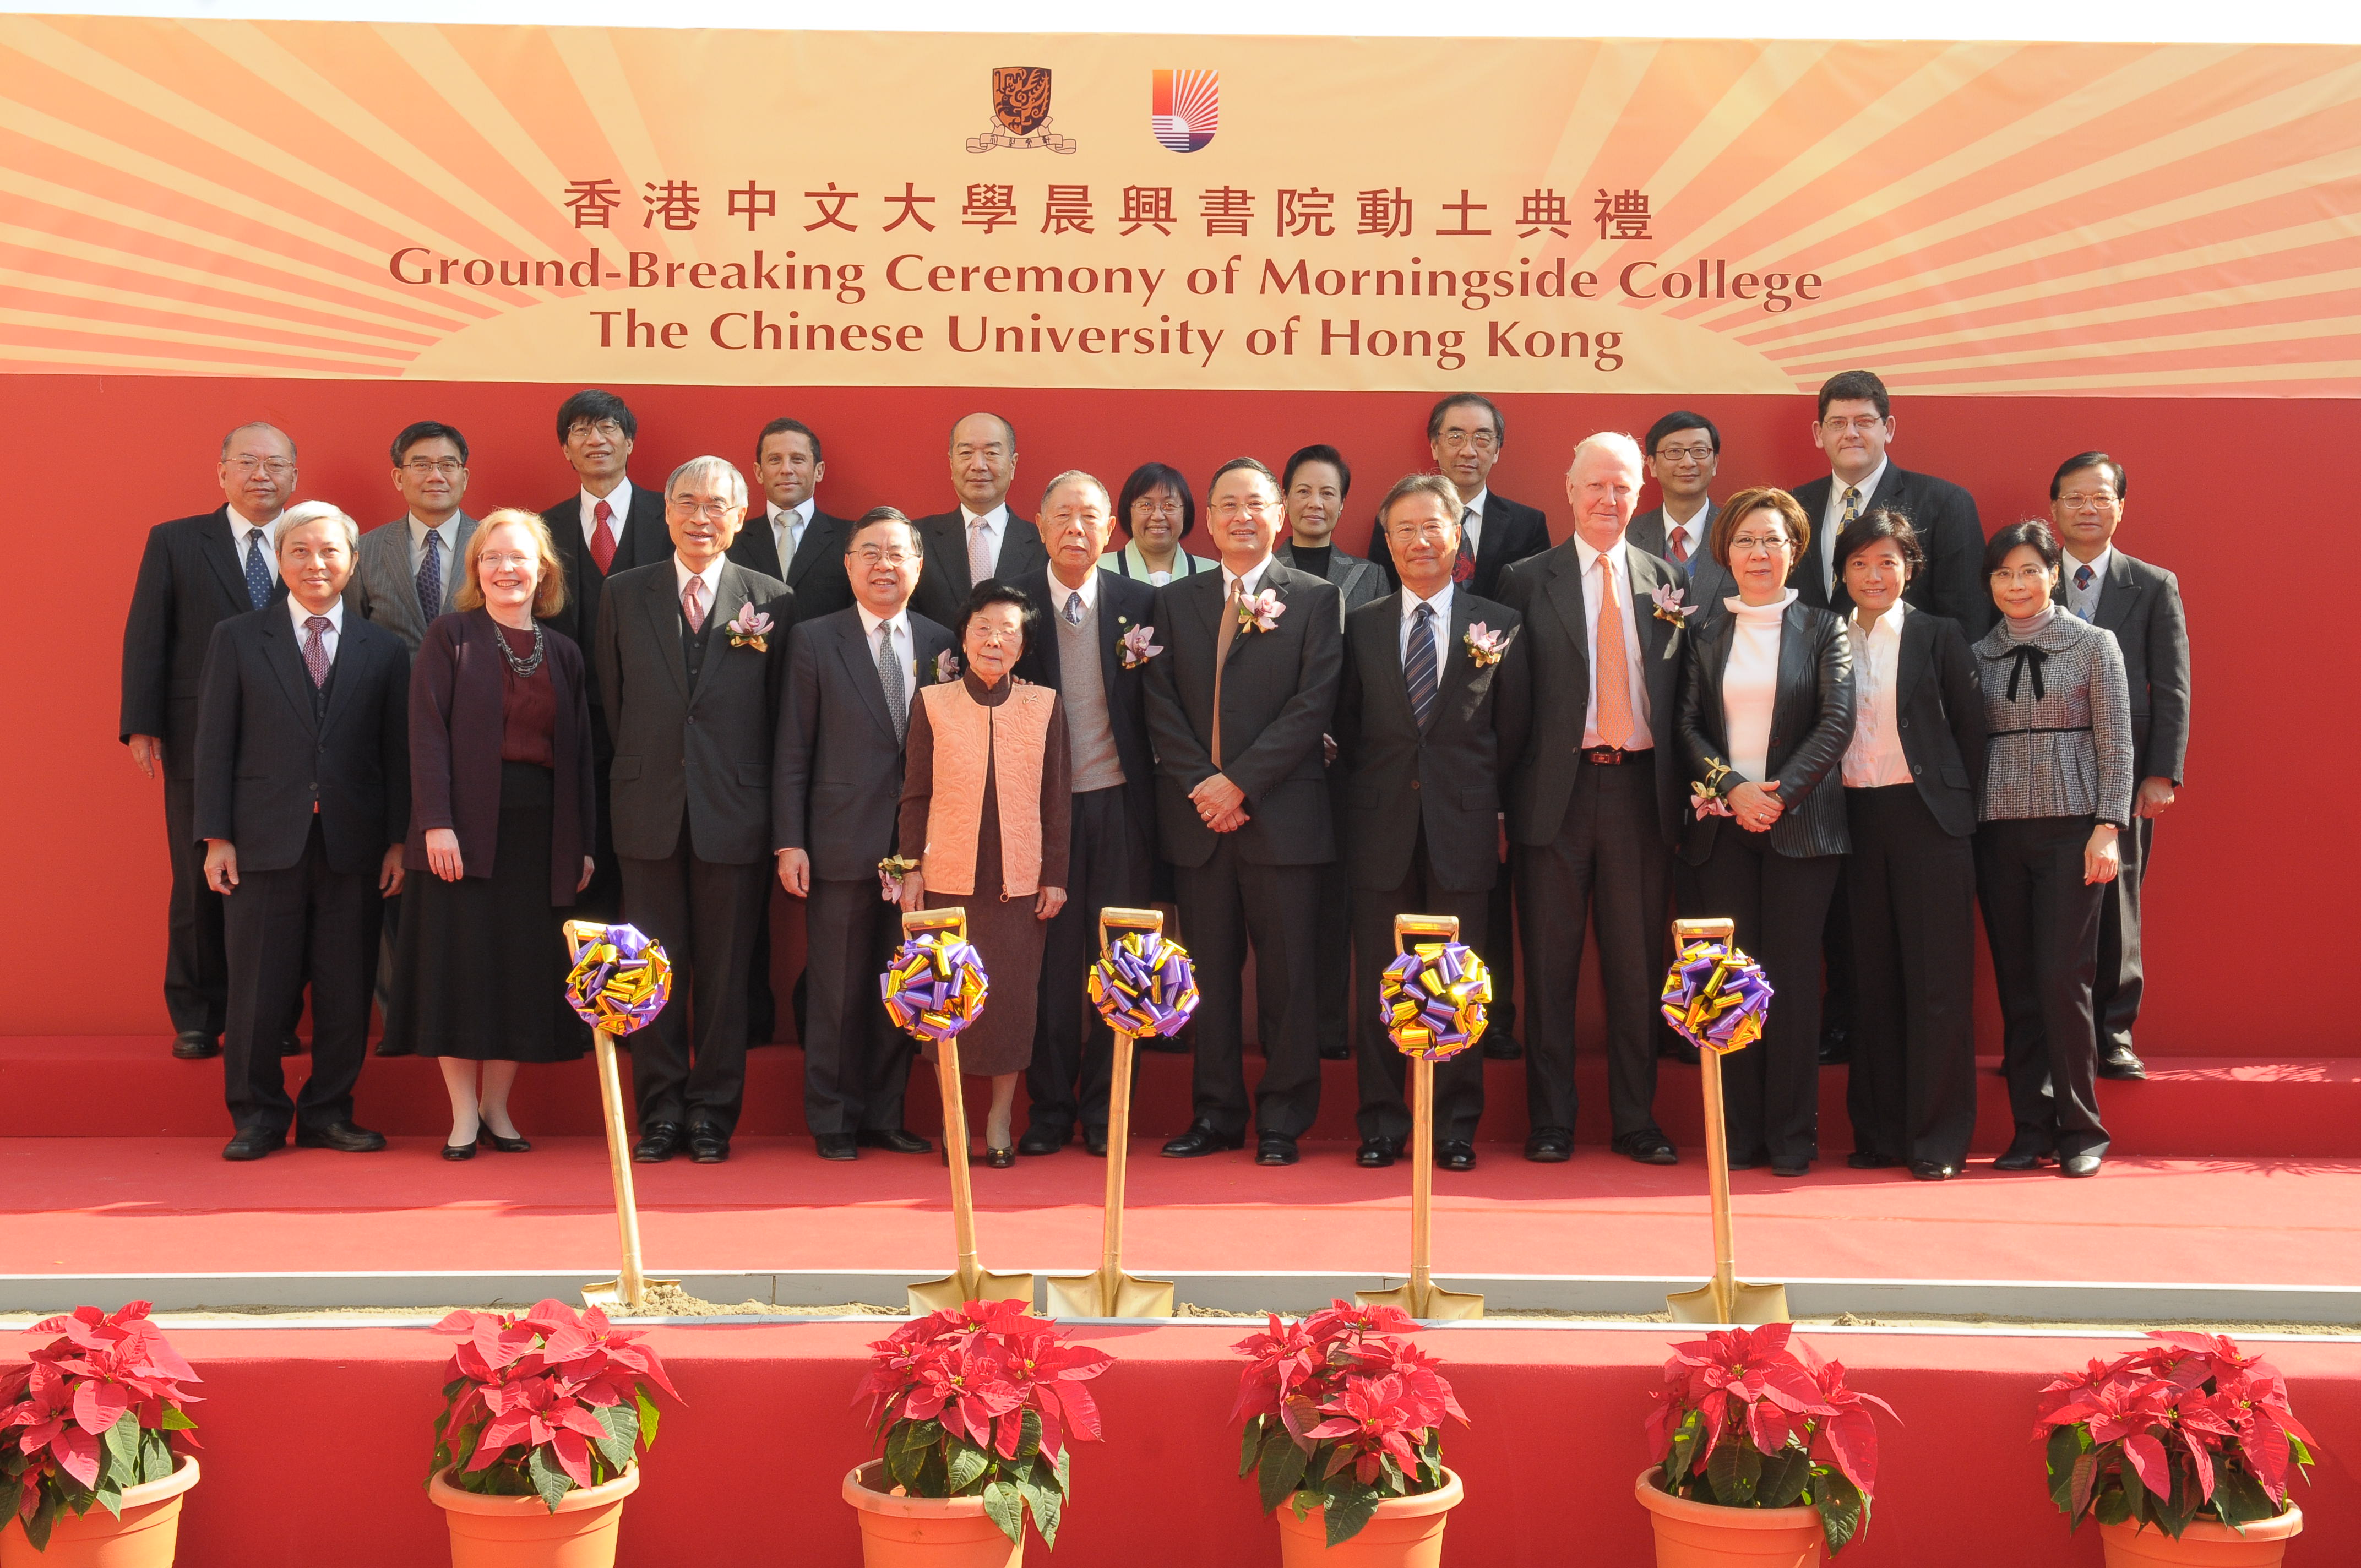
(2248, 867)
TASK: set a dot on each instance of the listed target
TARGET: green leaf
(967, 1464)
(1843, 1508)
(549, 1482)
(2297, 1451)
(1029, 1434)
(2066, 1446)
(622, 1424)
(1047, 1507)
(12, 1497)
(44, 1514)
(1785, 1475)
(1734, 1468)
(155, 1458)
(648, 1415)
(1250, 1447)
(178, 1420)
(1282, 1466)
(2239, 1498)
(1350, 1505)
(109, 1496)
(122, 1450)
(1066, 1470)
(907, 1447)
(1684, 1450)
(1004, 1506)
(2115, 1503)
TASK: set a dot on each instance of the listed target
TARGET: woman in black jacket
(1764, 712)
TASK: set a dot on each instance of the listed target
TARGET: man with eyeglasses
(836, 796)
(980, 540)
(195, 573)
(1683, 453)
(403, 571)
(690, 664)
(1239, 705)
(2141, 605)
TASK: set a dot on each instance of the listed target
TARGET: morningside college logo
(1184, 108)
(1020, 103)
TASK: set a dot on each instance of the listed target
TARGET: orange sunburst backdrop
(347, 199)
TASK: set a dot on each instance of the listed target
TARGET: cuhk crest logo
(1184, 108)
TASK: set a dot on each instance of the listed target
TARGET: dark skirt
(480, 967)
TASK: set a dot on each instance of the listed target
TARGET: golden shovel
(969, 1282)
(629, 1289)
(1725, 1300)
(1422, 1298)
(1110, 1292)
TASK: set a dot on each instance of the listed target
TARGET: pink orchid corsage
(750, 629)
(947, 667)
(1706, 797)
(890, 872)
(1260, 612)
(1137, 648)
(1669, 606)
(1485, 645)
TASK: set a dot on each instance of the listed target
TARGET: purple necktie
(315, 648)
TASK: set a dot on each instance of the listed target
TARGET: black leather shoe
(1549, 1146)
(659, 1141)
(253, 1144)
(1651, 1147)
(999, 1159)
(1037, 1140)
(2080, 1165)
(1376, 1154)
(835, 1146)
(1201, 1139)
(1275, 1148)
(1790, 1165)
(1679, 1050)
(1933, 1170)
(1455, 1156)
(1501, 1045)
(1861, 1159)
(347, 1137)
(1335, 1053)
(2122, 1063)
(1834, 1047)
(708, 1145)
(195, 1045)
(459, 1151)
(1094, 1141)
(290, 1045)
(1745, 1162)
(505, 1146)
(2022, 1156)
(894, 1140)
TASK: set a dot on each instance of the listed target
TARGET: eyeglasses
(1422, 532)
(1683, 454)
(2022, 576)
(713, 510)
(869, 555)
(1254, 507)
(422, 467)
(1747, 543)
(611, 429)
(2097, 500)
(505, 563)
(1860, 425)
(1458, 440)
(277, 468)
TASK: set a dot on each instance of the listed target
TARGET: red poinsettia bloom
(56, 1410)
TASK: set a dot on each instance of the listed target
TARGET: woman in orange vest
(984, 803)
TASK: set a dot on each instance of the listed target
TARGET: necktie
(1852, 506)
(1222, 641)
(1676, 544)
(602, 544)
(692, 604)
(1462, 565)
(1074, 608)
(258, 571)
(429, 577)
(1418, 665)
(979, 553)
(1613, 664)
(889, 675)
(791, 536)
(315, 648)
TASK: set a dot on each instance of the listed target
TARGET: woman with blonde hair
(501, 815)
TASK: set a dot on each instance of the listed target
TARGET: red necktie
(602, 544)
(692, 607)
(1676, 544)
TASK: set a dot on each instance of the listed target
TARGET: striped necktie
(1418, 665)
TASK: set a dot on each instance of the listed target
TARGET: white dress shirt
(1249, 583)
(619, 498)
(1692, 533)
(241, 530)
(708, 595)
(1442, 603)
(448, 532)
(995, 528)
(2084, 602)
(903, 646)
(788, 529)
(1874, 758)
(1471, 522)
(1619, 576)
(328, 638)
(1060, 593)
(1832, 518)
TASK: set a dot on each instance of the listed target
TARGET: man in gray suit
(689, 662)
(406, 571)
(844, 718)
(2141, 605)
(1683, 452)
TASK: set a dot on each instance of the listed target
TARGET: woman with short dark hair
(1157, 511)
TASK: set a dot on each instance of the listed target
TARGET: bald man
(981, 540)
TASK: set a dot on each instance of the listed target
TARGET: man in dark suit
(844, 720)
(802, 546)
(981, 539)
(2141, 605)
(1239, 704)
(609, 525)
(303, 796)
(405, 572)
(195, 573)
(1428, 724)
(689, 670)
(1080, 653)
(1595, 807)
(1465, 434)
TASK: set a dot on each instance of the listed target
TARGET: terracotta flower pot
(923, 1532)
(145, 1537)
(1405, 1532)
(521, 1532)
(1705, 1535)
(2204, 1544)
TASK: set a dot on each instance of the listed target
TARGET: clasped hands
(1756, 806)
(1220, 805)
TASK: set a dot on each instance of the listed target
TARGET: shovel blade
(1450, 1306)
(1086, 1296)
(955, 1290)
(608, 1294)
(1748, 1304)
(1399, 1295)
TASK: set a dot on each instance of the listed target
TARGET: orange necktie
(1614, 666)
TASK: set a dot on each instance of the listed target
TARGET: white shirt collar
(711, 576)
(1868, 488)
(239, 527)
(1250, 580)
(2098, 567)
(1886, 628)
(1477, 506)
(619, 498)
(1695, 529)
(993, 521)
(1059, 591)
(899, 620)
(801, 512)
(1441, 601)
(299, 615)
(448, 528)
(1589, 557)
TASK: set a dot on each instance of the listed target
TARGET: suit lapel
(286, 661)
(809, 548)
(221, 549)
(861, 668)
(664, 617)
(1795, 674)
(729, 597)
(2118, 595)
(1910, 664)
(1717, 638)
(950, 547)
(348, 673)
(1566, 593)
(1645, 580)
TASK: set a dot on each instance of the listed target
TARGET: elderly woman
(1157, 512)
(1910, 777)
(986, 799)
(501, 813)
(2058, 788)
(1764, 712)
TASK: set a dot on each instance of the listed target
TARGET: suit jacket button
(1916, 769)
(1413, 783)
(1906, 723)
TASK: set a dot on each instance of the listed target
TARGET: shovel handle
(619, 1164)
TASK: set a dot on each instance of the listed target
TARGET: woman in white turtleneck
(1765, 711)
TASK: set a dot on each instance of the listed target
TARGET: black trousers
(271, 924)
(1458, 1081)
(1771, 1090)
(1911, 890)
(1225, 905)
(762, 1006)
(602, 901)
(856, 1063)
(196, 963)
(2041, 922)
(1499, 950)
(2115, 993)
(688, 1068)
(1073, 1070)
(1608, 866)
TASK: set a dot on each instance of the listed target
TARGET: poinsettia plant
(96, 1411)
(2189, 1426)
(979, 1400)
(1754, 1418)
(1340, 1412)
(539, 1403)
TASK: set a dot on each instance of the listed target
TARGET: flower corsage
(1669, 606)
(890, 872)
(751, 630)
(1485, 645)
(1260, 612)
(1137, 648)
(945, 666)
(1709, 795)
